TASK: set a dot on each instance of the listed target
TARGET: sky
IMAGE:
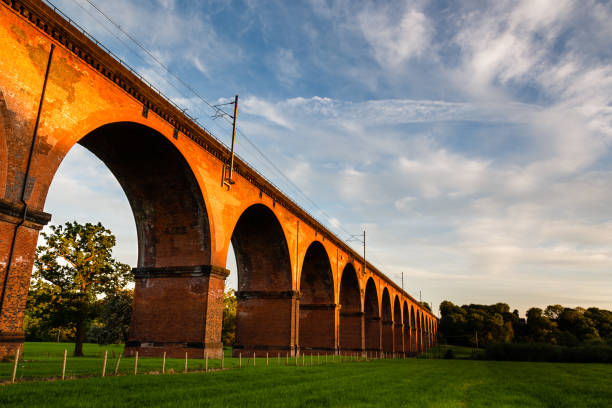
(471, 140)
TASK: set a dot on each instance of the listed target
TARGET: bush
(594, 353)
(449, 355)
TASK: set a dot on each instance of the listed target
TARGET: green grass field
(44, 360)
(389, 383)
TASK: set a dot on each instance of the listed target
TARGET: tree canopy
(555, 324)
(74, 272)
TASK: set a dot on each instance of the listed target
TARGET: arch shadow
(351, 317)
(266, 301)
(398, 342)
(317, 307)
(387, 322)
(373, 330)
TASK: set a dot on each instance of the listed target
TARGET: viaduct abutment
(300, 288)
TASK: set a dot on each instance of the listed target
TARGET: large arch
(414, 344)
(4, 135)
(372, 318)
(429, 333)
(351, 317)
(317, 307)
(266, 301)
(387, 322)
(419, 331)
(169, 210)
(173, 274)
(398, 337)
(406, 328)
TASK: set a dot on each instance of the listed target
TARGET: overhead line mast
(227, 178)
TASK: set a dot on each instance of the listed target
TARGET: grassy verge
(459, 352)
(44, 361)
(390, 383)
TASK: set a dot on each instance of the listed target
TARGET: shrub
(594, 353)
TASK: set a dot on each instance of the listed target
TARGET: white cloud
(288, 68)
(256, 106)
(394, 40)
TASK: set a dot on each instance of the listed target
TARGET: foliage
(113, 324)
(426, 305)
(549, 352)
(228, 333)
(557, 325)
(73, 270)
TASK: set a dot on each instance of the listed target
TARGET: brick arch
(171, 217)
(317, 308)
(173, 232)
(419, 329)
(5, 131)
(397, 326)
(413, 330)
(406, 322)
(372, 317)
(387, 321)
(350, 339)
(265, 297)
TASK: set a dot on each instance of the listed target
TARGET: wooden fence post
(136, 364)
(117, 365)
(206, 366)
(164, 363)
(64, 365)
(104, 365)
(185, 362)
(15, 366)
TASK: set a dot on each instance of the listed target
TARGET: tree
(113, 324)
(228, 333)
(74, 269)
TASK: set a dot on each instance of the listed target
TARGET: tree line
(481, 325)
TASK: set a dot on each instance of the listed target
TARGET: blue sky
(470, 139)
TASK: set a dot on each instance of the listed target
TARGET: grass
(459, 352)
(44, 360)
(389, 383)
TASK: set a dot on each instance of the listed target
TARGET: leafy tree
(426, 305)
(73, 270)
(555, 325)
(553, 311)
(113, 324)
(228, 333)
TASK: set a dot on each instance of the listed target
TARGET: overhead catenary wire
(139, 56)
(260, 156)
(331, 219)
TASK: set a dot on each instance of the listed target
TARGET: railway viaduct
(300, 288)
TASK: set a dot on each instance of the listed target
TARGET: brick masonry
(171, 171)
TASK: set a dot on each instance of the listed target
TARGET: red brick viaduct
(300, 288)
